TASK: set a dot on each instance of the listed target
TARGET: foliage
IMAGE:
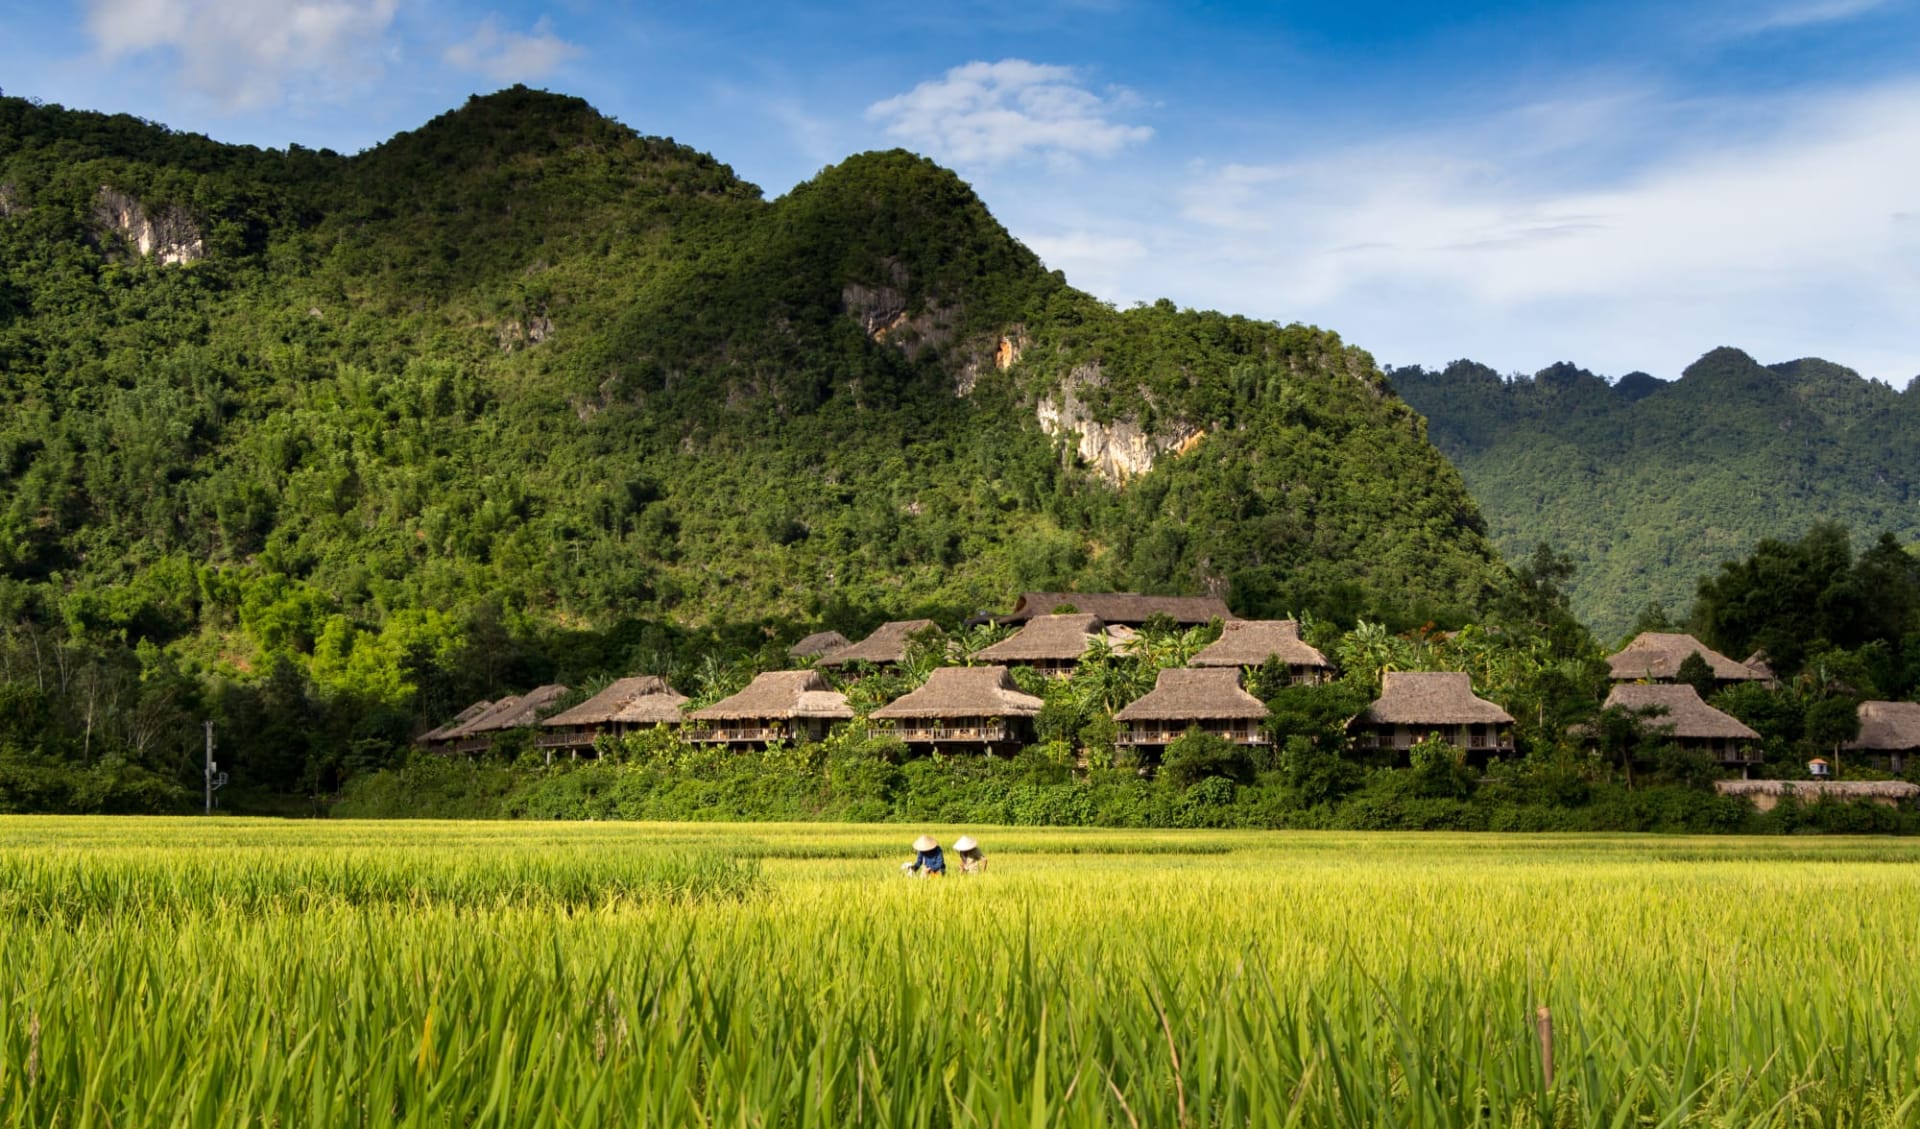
(1647, 486)
(523, 395)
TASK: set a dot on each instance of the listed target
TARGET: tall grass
(416, 975)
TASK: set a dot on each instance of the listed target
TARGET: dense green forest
(1841, 628)
(1649, 485)
(321, 447)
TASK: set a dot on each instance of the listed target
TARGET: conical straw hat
(924, 843)
(964, 843)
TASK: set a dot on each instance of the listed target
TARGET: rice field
(227, 972)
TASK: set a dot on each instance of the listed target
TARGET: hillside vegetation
(1648, 486)
(323, 446)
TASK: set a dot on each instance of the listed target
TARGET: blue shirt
(933, 862)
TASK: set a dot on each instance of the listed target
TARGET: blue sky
(1623, 185)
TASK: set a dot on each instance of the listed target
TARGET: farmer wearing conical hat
(927, 861)
(973, 860)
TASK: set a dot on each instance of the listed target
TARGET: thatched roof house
(776, 706)
(1126, 608)
(1655, 656)
(640, 702)
(977, 705)
(887, 645)
(817, 645)
(1766, 794)
(1415, 705)
(1252, 642)
(1051, 644)
(1689, 722)
(1889, 730)
(1210, 699)
(1685, 716)
(505, 714)
(440, 733)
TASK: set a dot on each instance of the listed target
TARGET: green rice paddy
(224, 973)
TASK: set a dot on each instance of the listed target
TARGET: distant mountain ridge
(1649, 484)
(282, 402)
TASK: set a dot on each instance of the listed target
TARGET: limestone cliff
(1116, 451)
(170, 236)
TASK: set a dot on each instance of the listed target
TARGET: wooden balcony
(740, 734)
(1486, 739)
(1166, 735)
(933, 732)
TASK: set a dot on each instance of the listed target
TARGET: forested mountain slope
(1649, 485)
(526, 374)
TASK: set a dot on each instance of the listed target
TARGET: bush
(1195, 756)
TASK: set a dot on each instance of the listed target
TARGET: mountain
(528, 364)
(1649, 485)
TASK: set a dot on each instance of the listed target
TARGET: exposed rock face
(878, 308)
(1007, 353)
(170, 236)
(513, 333)
(10, 204)
(1115, 451)
(1004, 354)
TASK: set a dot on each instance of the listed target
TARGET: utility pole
(215, 779)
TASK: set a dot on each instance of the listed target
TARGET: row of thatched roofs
(1644, 672)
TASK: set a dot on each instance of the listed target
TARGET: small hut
(1655, 656)
(1250, 643)
(1050, 644)
(479, 734)
(780, 705)
(1689, 722)
(1210, 699)
(1767, 794)
(1125, 609)
(436, 738)
(1415, 705)
(629, 704)
(1889, 734)
(977, 706)
(817, 646)
(887, 646)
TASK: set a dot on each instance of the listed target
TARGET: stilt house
(626, 706)
(1889, 734)
(818, 645)
(1050, 644)
(525, 711)
(1655, 656)
(781, 705)
(1414, 706)
(437, 737)
(1690, 723)
(1209, 699)
(1251, 643)
(887, 646)
(964, 707)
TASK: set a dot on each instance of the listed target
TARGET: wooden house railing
(916, 731)
(1167, 734)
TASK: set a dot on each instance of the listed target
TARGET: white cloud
(1097, 261)
(1471, 241)
(990, 113)
(511, 56)
(244, 53)
(1807, 13)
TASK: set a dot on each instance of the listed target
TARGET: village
(979, 708)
